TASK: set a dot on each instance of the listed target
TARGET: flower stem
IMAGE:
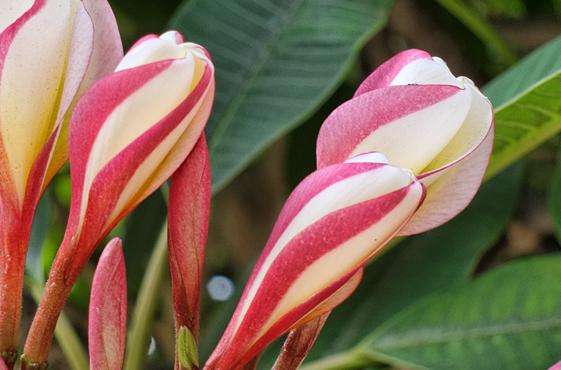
(11, 285)
(139, 334)
(298, 344)
(341, 361)
(42, 329)
(65, 334)
(63, 274)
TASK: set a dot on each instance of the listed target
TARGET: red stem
(12, 265)
(62, 276)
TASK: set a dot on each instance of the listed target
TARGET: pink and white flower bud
(51, 51)
(128, 134)
(413, 110)
(333, 223)
(188, 218)
(107, 319)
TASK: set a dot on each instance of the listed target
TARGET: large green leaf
(276, 61)
(421, 265)
(527, 100)
(510, 318)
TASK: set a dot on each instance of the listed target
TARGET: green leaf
(142, 230)
(34, 266)
(146, 305)
(187, 352)
(510, 318)
(527, 100)
(477, 24)
(421, 265)
(554, 198)
(276, 62)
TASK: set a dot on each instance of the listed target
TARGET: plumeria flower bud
(128, 134)
(188, 218)
(51, 51)
(337, 219)
(107, 320)
(423, 118)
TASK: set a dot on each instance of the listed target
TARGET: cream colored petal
(152, 50)
(10, 10)
(425, 71)
(471, 134)
(414, 140)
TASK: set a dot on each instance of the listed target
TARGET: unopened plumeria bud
(337, 219)
(188, 217)
(51, 51)
(128, 134)
(107, 320)
(423, 118)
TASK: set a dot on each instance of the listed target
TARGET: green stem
(341, 361)
(65, 334)
(139, 334)
(481, 28)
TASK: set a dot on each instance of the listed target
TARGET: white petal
(10, 10)
(153, 50)
(425, 71)
(414, 140)
(474, 129)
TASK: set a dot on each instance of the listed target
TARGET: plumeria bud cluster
(128, 134)
(51, 51)
(404, 155)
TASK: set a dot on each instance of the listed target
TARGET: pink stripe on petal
(143, 39)
(188, 217)
(292, 318)
(352, 122)
(385, 73)
(107, 323)
(3, 365)
(557, 366)
(310, 187)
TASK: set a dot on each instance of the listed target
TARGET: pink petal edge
(107, 322)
